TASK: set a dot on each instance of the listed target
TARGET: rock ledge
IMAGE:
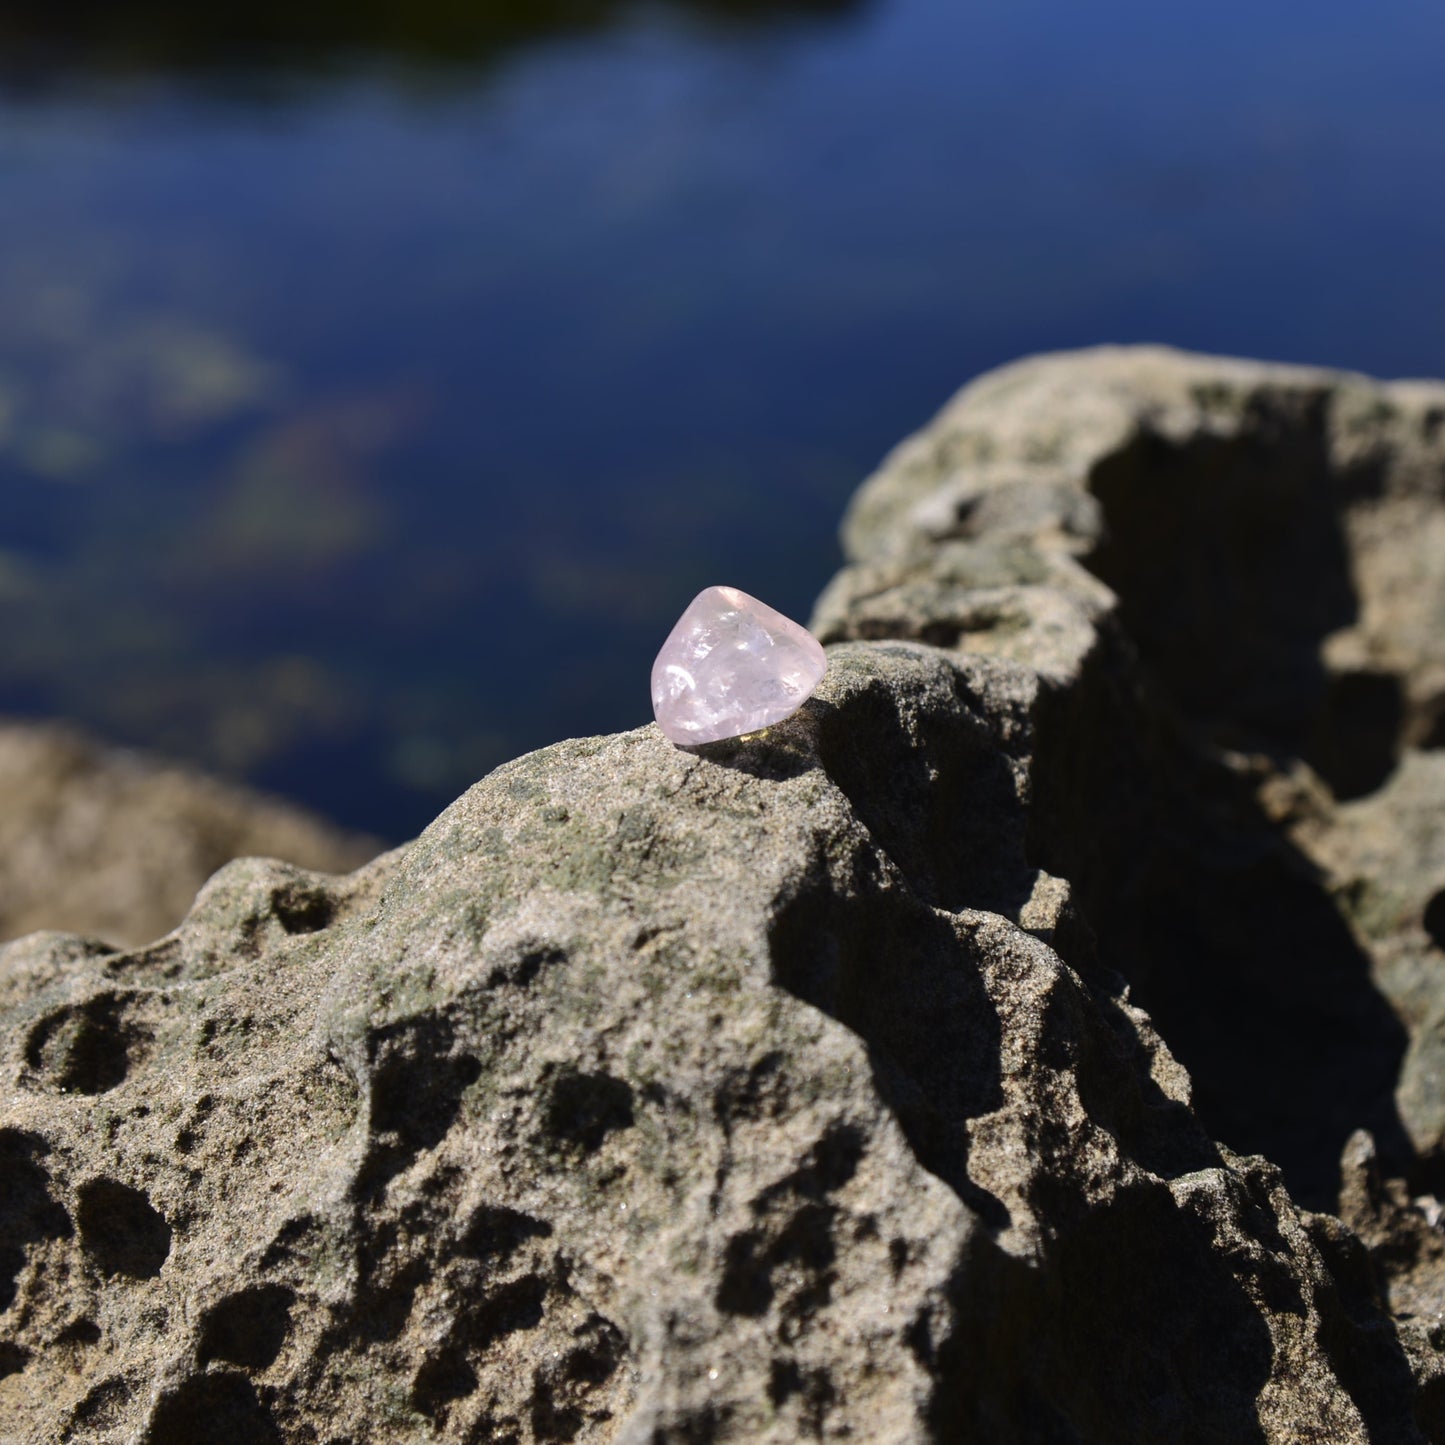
(799, 1088)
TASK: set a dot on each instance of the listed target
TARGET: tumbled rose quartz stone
(732, 665)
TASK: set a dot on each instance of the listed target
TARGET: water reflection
(357, 445)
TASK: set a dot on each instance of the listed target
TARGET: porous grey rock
(1273, 543)
(792, 1088)
(114, 844)
(1269, 866)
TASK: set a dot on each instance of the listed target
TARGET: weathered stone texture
(798, 1088)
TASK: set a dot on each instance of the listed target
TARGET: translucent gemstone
(732, 665)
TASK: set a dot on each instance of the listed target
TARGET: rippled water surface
(375, 391)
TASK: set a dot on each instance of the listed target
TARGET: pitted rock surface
(798, 1087)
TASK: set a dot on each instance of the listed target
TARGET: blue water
(363, 427)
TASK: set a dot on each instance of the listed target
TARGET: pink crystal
(732, 665)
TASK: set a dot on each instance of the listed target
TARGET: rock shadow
(776, 753)
(417, 1079)
(220, 1407)
(89, 1047)
(933, 786)
(946, 804)
(247, 1328)
(1089, 1373)
(29, 1213)
(1231, 568)
(896, 975)
(121, 1231)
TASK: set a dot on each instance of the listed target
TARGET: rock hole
(1433, 737)
(495, 1232)
(758, 1092)
(898, 1255)
(792, 1257)
(87, 1048)
(417, 1084)
(602, 1350)
(835, 1157)
(388, 1302)
(247, 1328)
(583, 1109)
(786, 1380)
(220, 1409)
(28, 1212)
(121, 1231)
(13, 1358)
(506, 1310)
(703, 1426)
(524, 967)
(1354, 743)
(104, 1406)
(1434, 919)
(746, 1288)
(82, 1332)
(448, 1373)
(444, 1377)
(568, 1394)
(554, 1422)
(296, 1242)
(302, 907)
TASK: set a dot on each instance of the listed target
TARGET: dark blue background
(365, 421)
